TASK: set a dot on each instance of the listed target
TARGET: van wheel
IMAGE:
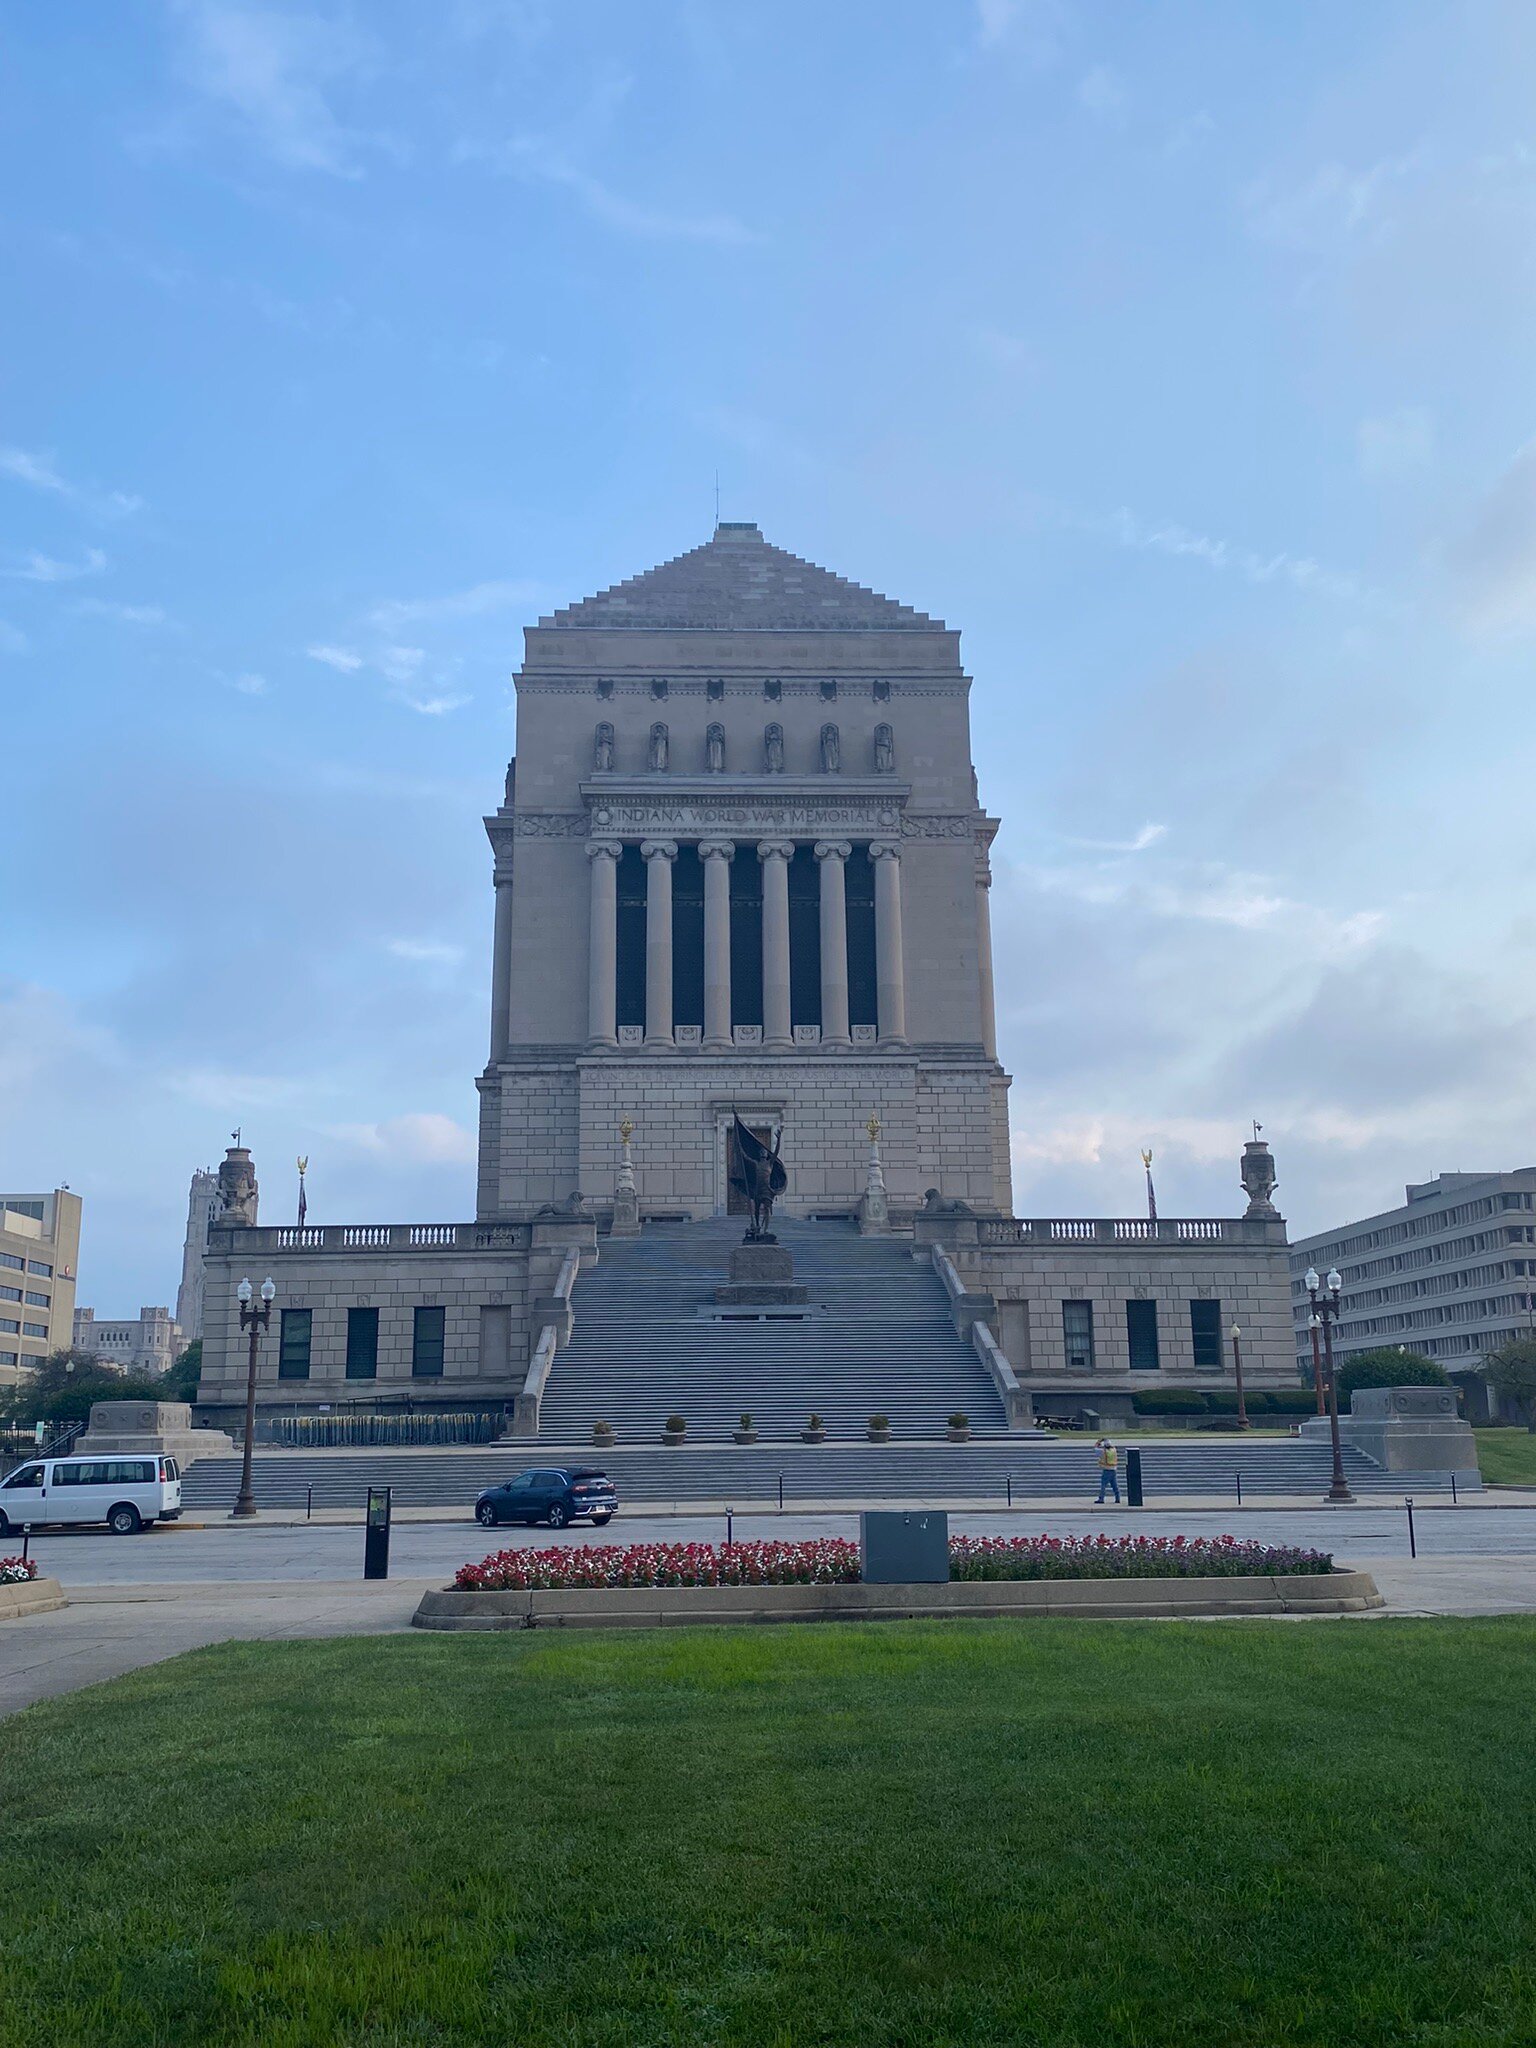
(125, 1519)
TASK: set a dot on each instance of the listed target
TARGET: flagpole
(303, 1166)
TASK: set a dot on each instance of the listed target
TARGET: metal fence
(319, 1432)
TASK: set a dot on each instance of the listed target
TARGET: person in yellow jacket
(1109, 1470)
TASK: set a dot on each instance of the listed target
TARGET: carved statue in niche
(602, 748)
(659, 756)
(885, 750)
(714, 749)
(831, 750)
(773, 748)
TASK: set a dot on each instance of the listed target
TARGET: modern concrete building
(146, 1344)
(741, 866)
(39, 1259)
(1451, 1273)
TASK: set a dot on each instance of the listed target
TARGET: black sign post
(376, 1534)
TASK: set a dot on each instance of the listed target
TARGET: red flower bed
(834, 1561)
(827, 1561)
(1126, 1557)
(15, 1572)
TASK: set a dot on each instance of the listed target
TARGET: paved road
(313, 1552)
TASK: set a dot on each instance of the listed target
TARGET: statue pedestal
(762, 1275)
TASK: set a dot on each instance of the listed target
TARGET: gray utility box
(897, 1548)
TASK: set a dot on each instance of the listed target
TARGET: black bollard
(1133, 1479)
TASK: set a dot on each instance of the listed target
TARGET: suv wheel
(125, 1519)
(486, 1515)
(558, 1515)
(601, 1521)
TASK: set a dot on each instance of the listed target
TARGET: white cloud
(1147, 836)
(129, 614)
(39, 471)
(1337, 202)
(1028, 27)
(271, 70)
(1395, 443)
(1166, 538)
(342, 658)
(393, 612)
(420, 1138)
(1101, 94)
(37, 568)
(429, 707)
(530, 156)
(250, 684)
(429, 952)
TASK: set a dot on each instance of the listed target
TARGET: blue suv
(555, 1494)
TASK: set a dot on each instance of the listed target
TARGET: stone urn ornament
(675, 1430)
(603, 1433)
(747, 1434)
(814, 1431)
(959, 1429)
(878, 1429)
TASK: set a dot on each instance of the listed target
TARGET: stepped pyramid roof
(738, 581)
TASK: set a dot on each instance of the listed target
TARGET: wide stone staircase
(881, 1342)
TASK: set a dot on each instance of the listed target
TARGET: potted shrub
(814, 1431)
(959, 1429)
(602, 1433)
(746, 1434)
(878, 1429)
(675, 1430)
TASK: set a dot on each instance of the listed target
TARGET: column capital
(833, 849)
(658, 849)
(775, 849)
(717, 849)
(604, 849)
(885, 849)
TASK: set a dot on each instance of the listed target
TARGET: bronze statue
(757, 1173)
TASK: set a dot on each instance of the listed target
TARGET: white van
(125, 1493)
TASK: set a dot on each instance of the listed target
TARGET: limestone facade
(39, 1259)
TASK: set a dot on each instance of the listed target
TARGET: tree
(1388, 1366)
(180, 1382)
(1512, 1369)
(63, 1386)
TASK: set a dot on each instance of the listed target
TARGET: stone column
(501, 967)
(602, 942)
(658, 855)
(984, 959)
(776, 855)
(832, 853)
(890, 974)
(716, 855)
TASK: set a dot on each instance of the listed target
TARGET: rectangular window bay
(362, 1343)
(293, 1344)
(1141, 1335)
(1205, 1334)
(1077, 1334)
(427, 1344)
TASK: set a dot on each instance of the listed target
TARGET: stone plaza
(741, 868)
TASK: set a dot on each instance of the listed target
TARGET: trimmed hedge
(1198, 1402)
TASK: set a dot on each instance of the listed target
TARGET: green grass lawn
(894, 1835)
(1507, 1456)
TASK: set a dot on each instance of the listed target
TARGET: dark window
(859, 893)
(882, 690)
(1077, 1331)
(39, 1266)
(293, 1345)
(771, 689)
(687, 937)
(746, 935)
(36, 1300)
(1205, 1333)
(16, 1265)
(427, 1344)
(1141, 1335)
(828, 688)
(714, 689)
(804, 938)
(630, 1008)
(362, 1343)
(29, 1476)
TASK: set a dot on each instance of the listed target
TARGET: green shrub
(676, 1422)
(1293, 1401)
(1168, 1401)
(1220, 1402)
(959, 1422)
(879, 1422)
(1387, 1366)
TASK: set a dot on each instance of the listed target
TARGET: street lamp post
(1324, 1297)
(256, 1321)
(1315, 1324)
(1235, 1333)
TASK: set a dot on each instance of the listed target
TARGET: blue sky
(1178, 354)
